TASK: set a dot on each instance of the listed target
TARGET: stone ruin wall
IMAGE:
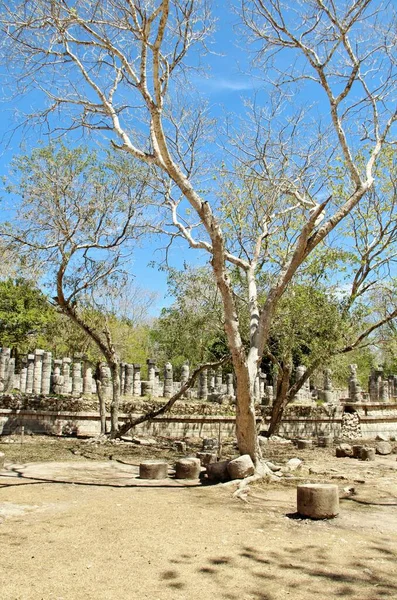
(51, 387)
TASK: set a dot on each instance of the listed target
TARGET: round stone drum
(318, 500)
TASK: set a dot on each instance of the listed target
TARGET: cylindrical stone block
(46, 373)
(23, 376)
(137, 380)
(304, 444)
(67, 384)
(217, 471)
(30, 372)
(357, 451)
(187, 468)
(38, 371)
(129, 380)
(168, 380)
(122, 378)
(325, 441)
(153, 469)
(206, 458)
(203, 385)
(180, 446)
(77, 380)
(367, 453)
(9, 377)
(318, 500)
(87, 381)
(230, 384)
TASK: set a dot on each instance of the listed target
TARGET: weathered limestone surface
(30, 372)
(241, 467)
(57, 378)
(318, 500)
(168, 380)
(367, 453)
(187, 468)
(38, 370)
(206, 458)
(46, 373)
(137, 379)
(129, 380)
(153, 469)
(383, 448)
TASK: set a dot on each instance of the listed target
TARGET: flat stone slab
(101, 473)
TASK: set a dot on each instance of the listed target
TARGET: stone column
(77, 380)
(4, 362)
(203, 385)
(137, 379)
(29, 374)
(151, 372)
(185, 372)
(67, 383)
(168, 380)
(392, 389)
(9, 378)
(229, 384)
(270, 395)
(87, 379)
(355, 394)
(38, 371)
(122, 378)
(23, 375)
(328, 389)
(106, 380)
(4, 358)
(46, 373)
(57, 377)
(257, 394)
(218, 381)
(384, 391)
(211, 381)
(157, 386)
(375, 381)
(262, 384)
(129, 380)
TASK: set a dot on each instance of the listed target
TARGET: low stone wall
(88, 424)
(59, 416)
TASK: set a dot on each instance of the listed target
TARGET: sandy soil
(89, 529)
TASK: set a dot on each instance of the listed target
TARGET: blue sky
(226, 88)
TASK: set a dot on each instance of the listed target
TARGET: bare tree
(114, 65)
(76, 221)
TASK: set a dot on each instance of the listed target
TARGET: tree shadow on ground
(16, 474)
(297, 572)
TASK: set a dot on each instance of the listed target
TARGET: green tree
(124, 66)
(77, 218)
(26, 316)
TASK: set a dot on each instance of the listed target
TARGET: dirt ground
(76, 525)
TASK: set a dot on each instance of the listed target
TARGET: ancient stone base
(153, 469)
(304, 444)
(206, 458)
(367, 453)
(187, 468)
(318, 500)
(218, 471)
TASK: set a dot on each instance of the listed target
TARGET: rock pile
(351, 428)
